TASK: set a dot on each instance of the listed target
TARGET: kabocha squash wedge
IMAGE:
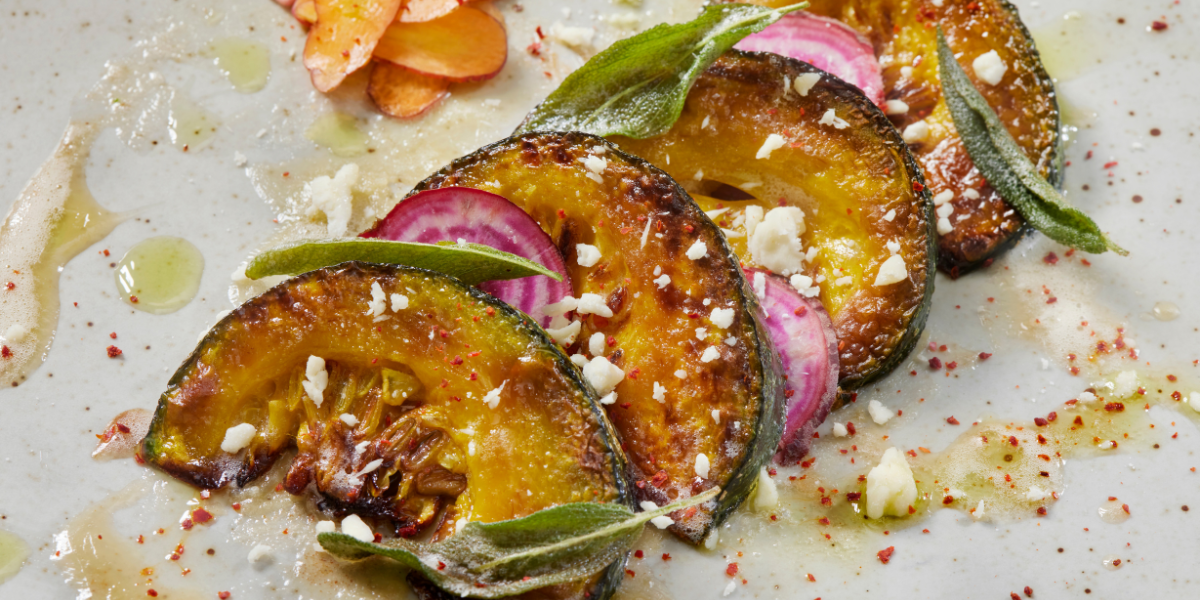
(1022, 94)
(419, 421)
(698, 396)
(839, 161)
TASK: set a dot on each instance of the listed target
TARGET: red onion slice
(476, 216)
(826, 44)
(803, 335)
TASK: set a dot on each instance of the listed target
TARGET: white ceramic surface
(1125, 80)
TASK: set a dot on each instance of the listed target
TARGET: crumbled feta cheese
(713, 214)
(702, 466)
(1126, 384)
(890, 486)
(699, 176)
(840, 430)
(260, 552)
(354, 527)
(702, 333)
(579, 360)
(660, 393)
(766, 495)
(471, 448)
(1036, 494)
(16, 333)
(729, 587)
(893, 246)
(492, 398)
(238, 437)
(970, 194)
(801, 282)
(326, 527)
(662, 522)
(603, 375)
(647, 506)
(610, 398)
(753, 216)
(716, 416)
(662, 281)
(1087, 397)
(565, 336)
(840, 281)
(587, 255)
(681, 374)
(989, 67)
(315, 379)
(399, 302)
(562, 307)
(334, 198)
(577, 38)
(657, 270)
(893, 270)
(944, 211)
(710, 354)
(805, 82)
(378, 303)
(1106, 445)
(361, 447)
(239, 159)
(698, 250)
(775, 243)
(944, 226)
(772, 143)
(721, 317)
(371, 466)
(731, 341)
(943, 197)
(593, 304)
(348, 419)
(889, 215)
(760, 285)
(916, 132)
(879, 413)
(596, 344)
(906, 71)
(595, 164)
(830, 118)
(896, 107)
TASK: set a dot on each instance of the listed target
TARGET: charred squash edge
(769, 428)
(612, 575)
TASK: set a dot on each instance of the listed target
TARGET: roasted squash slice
(700, 400)
(905, 38)
(841, 163)
(418, 418)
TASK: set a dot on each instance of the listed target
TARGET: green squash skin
(150, 448)
(768, 383)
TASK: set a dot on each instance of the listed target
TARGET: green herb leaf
(495, 560)
(472, 263)
(637, 86)
(1005, 167)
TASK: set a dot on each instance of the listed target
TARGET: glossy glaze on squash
(855, 185)
(652, 333)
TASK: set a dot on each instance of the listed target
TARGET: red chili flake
(732, 569)
(885, 555)
(693, 315)
(918, 187)
(952, 365)
(541, 36)
(826, 501)
(638, 554)
(1177, 396)
(150, 592)
(1041, 510)
(1125, 507)
(1050, 259)
(224, 595)
(935, 363)
(201, 516)
(948, 500)
(1012, 439)
(186, 525)
(113, 351)
(634, 373)
(534, 48)
(1052, 417)
(1114, 407)
(490, 311)
(1158, 25)
(666, 556)
(630, 573)
(849, 429)
(236, 506)
(1078, 420)
(10, 285)
(1014, 596)
(951, 420)
(1040, 422)
(911, 511)
(1042, 440)
(457, 360)
(800, 311)
(659, 478)
(5, 352)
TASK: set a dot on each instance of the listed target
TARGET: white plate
(1124, 81)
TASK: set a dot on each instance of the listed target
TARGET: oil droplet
(1165, 311)
(160, 275)
(1071, 45)
(1112, 562)
(189, 125)
(1113, 512)
(339, 133)
(245, 64)
(13, 552)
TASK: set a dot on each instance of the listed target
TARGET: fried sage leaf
(470, 263)
(1005, 167)
(637, 86)
(496, 560)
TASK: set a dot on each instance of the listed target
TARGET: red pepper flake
(1114, 407)
(853, 496)
(201, 516)
(935, 363)
(1110, 164)
(150, 592)
(1050, 259)
(826, 501)
(1125, 507)
(1041, 511)
(1012, 439)
(1078, 420)
(885, 555)
(732, 569)
(6, 352)
(490, 311)
(1052, 417)
(236, 506)
(224, 595)
(918, 187)
(800, 311)
(638, 554)
(634, 373)
(666, 556)
(952, 365)
(850, 430)
(1042, 440)
(630, 573)
(113, 351)
(10, 285)
(1051, 300)
(1040, 422)
(1158, 25)
(457, 360)
(948, 500)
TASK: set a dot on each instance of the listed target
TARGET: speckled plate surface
(1129, 95)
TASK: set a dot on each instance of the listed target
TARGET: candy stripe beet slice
(825, 44)
(458, 213)
(803, 334)
(698, 393)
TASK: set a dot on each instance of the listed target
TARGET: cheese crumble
(893, 270)
(880, 413)
(593, 304)
(596, 344)
(890, 486)
(333, 197)
(698, 250)
(830, 118)
(660, 393)
(315, 379)
(766, 496)
(354, 527)
(804, 83)
(896, 107)
(702, 466)
(989, 67)
(916, 132)
(772, 143)
(775, 243)
(492, 398)
(587, 255)
(603, 375)
(565, 336)
(722, 317)
(710, 354)
(238, 437)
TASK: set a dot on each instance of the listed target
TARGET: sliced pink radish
(479, 217)
(825, 44)
(803, 335)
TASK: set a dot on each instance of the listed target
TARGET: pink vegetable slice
(825, 44)
(479, 217)
(803, 334)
